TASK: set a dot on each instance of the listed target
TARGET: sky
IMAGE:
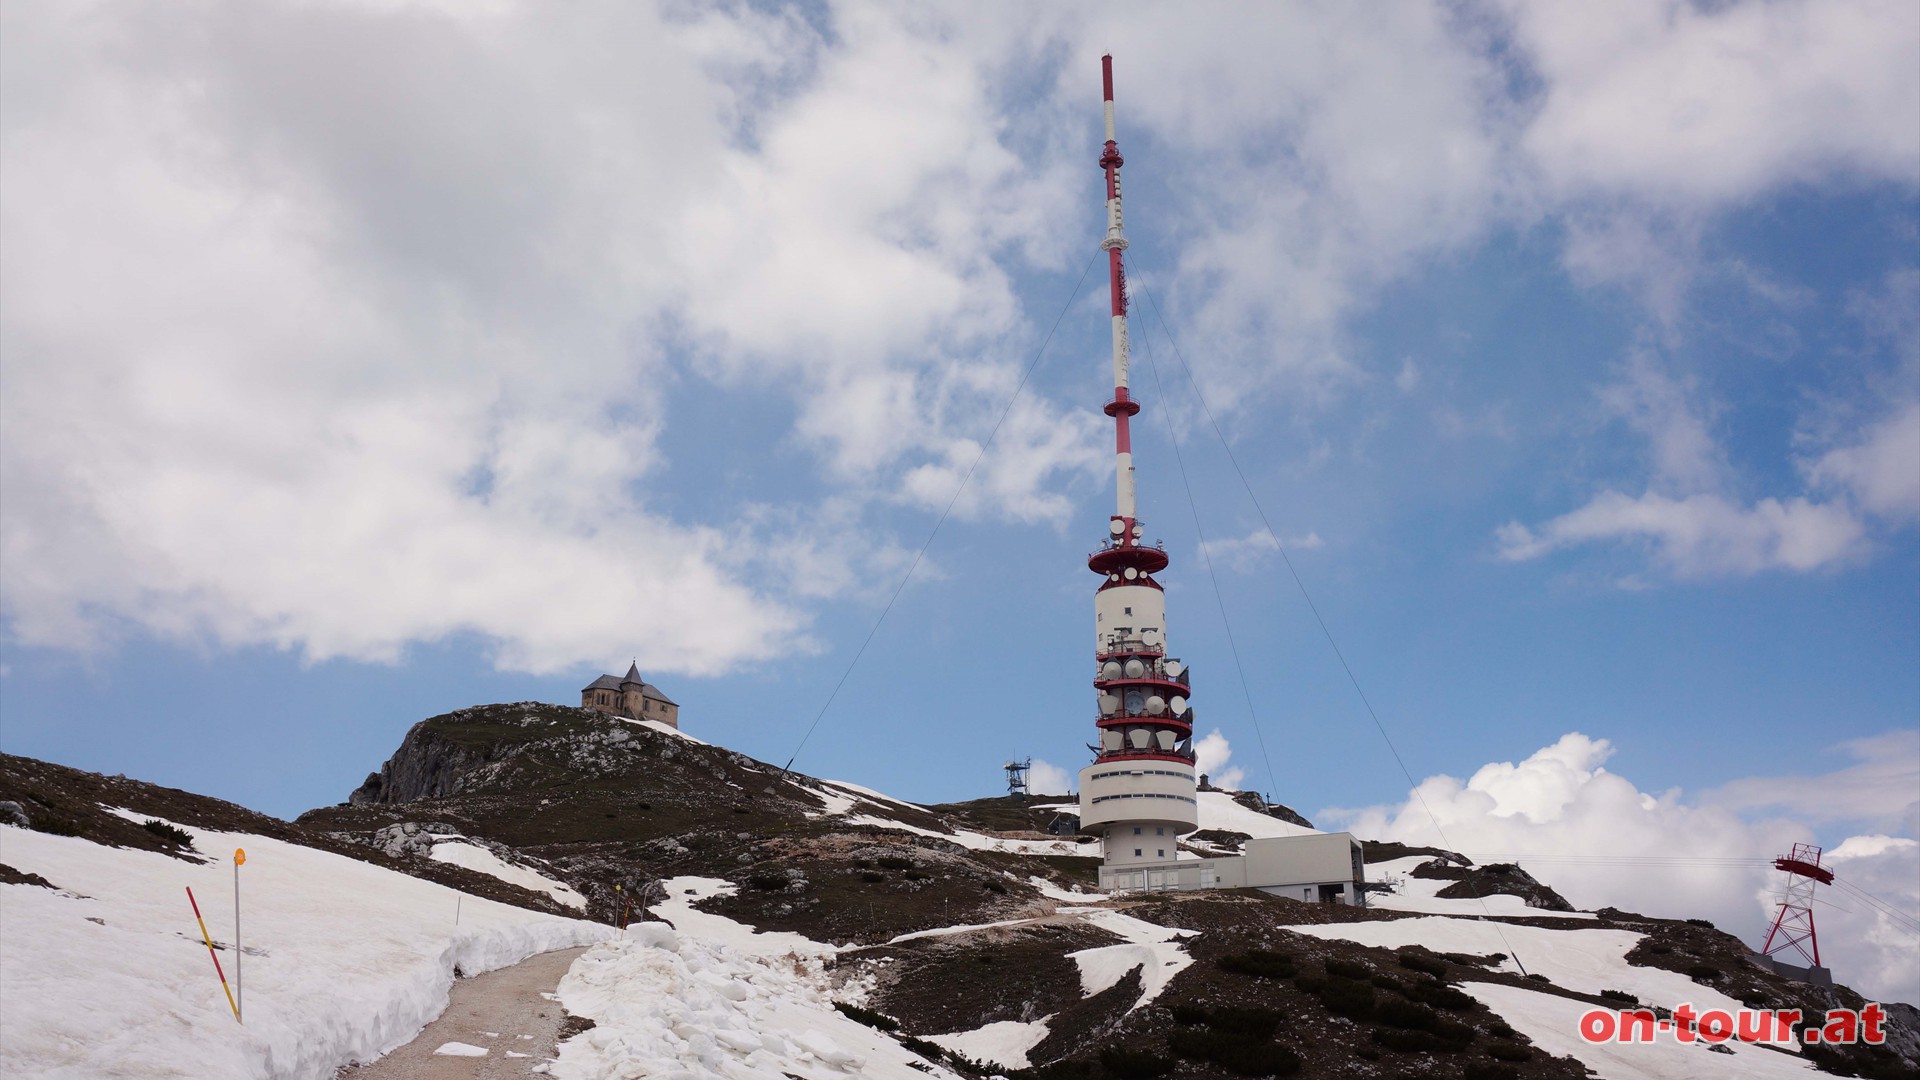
(368, 360)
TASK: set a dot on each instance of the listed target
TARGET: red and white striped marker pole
(208, 938)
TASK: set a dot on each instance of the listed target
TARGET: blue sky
(369, 361)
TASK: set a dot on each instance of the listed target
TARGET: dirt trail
(502, 1012)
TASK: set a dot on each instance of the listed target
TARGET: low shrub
(767, 882)
(171, 834)
(1700, 922)
(993, 886)
(1134, 1064)
(1440, 995)
(1189, 1015)
(895, 862)
(1703, 972)
(872, 876)
(1347, 969)
(1426, 965)
(1620, 995)
(868, 1017)
(1509, 1051)
(1344, 997)
(1260, 963)
(1408, 1016)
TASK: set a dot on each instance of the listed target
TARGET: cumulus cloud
(1046, 778)
(1600, 840)
(1672, 101)
(1212, 757)
(304, 348)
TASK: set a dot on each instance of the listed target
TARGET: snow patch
(1004, 1043)
(345, 960)
(1152, 948)
(460, 1049)
(670, 1003)
(474, 857)
(1417, 895)
(678, 908)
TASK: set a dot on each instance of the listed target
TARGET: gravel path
(502, 1012)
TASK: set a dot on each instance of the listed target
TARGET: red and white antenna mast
(1122, 406)
(1139, 795)
(1793, 926)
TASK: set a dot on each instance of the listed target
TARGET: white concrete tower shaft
(1139, 794)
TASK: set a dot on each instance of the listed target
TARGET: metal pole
(239, 980)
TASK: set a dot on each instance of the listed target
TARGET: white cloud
(304, 349)
(1694, 529)
(1245, 553)
(1700, 535)
(1212, 753)
(1600, 841)
(1881, 790)
(1678, 102)
(1046, 778)
(1882, 471)
(345, 363)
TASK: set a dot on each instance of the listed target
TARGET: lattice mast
(1793, 925)
(1139, 794)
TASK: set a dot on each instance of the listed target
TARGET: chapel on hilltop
(630, 696)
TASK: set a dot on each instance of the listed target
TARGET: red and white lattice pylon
(1793, 926)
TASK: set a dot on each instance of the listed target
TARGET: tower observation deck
(1138, 796)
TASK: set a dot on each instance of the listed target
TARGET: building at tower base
(1323, 868)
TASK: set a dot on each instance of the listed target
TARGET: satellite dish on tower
(1110, 669)
(1150, 637)
(1135, 669)
(1116, 526)
(1179, 704)
(1156, 705)
(1174, 668)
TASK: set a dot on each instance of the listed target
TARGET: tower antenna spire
(1122, 407)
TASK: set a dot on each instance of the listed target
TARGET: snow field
(1552, 1023)
(683, 1005)
(1583, 960)
(1417, 895)
(345, 960)
(1219, 811)
(475, 857)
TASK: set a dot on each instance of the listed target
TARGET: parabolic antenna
(1116, 526)
(1179, 704)
(1135, 669)
(1132, 572)
(1150, 637)
(1110, 669)
(1109, 704)
(1156, 705)
(1174, 668)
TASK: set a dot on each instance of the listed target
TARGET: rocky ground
(613, 808)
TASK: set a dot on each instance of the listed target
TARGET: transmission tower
(1017, 776)
(1793, 926)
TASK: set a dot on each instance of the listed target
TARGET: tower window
(1129, 611)
(1136, 852)
(1160, 832)
(1136, 832)
(1163, 853)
